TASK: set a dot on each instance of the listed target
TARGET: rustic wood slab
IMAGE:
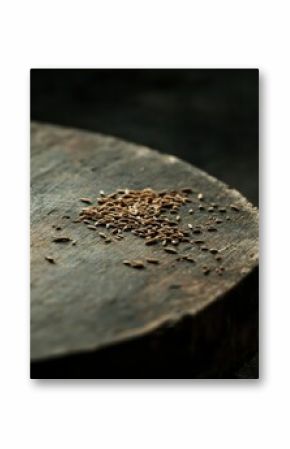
(89, 310)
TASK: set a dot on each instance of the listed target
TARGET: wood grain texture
(88, 302)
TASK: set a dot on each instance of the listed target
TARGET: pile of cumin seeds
(144, 213)
(154, 216)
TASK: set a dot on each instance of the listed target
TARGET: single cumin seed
(171, 250)
(86, 200)
(61, 239)
(152, 260)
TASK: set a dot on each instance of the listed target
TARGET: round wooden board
(88, 302)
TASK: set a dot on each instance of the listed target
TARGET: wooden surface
(90, 310)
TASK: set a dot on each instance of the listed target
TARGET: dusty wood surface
(91, 310)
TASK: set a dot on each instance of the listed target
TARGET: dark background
(207, 117)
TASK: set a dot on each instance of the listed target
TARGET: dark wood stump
(92, 316)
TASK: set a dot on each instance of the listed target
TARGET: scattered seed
(235, 208)
(171, 250)
(211, 229)
(213, 251)
(74, 242)
(218, 258)
(86, 200)
(187, 190)
(86, 222)
(126, 262)
(201, 207)
(198, 242)
(49, 259)
(108, 240)
(137, 263)
(152, 260)
(58, 228)
(200, 197)
(205, 270)
(66, 216)
(92, 227)
(103, 235)
(218, 221)
(61, 239)
(210, 209)
(175, 286)
(228, 218)
(222, 210)
(190, 211)
(177, 217)
(204, 248)
(197, 231)
(190, 225)
(151, 242)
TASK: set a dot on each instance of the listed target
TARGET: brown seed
(152, 260)
(87, 222)
(151, 242)
(171, 250)
(198, 242)
(234, 207)
(93, 228)
(101, 234)
(211, 229)
(137, 263)
(190, 259)
(61, 239)
(49, 259)
(86, 200)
